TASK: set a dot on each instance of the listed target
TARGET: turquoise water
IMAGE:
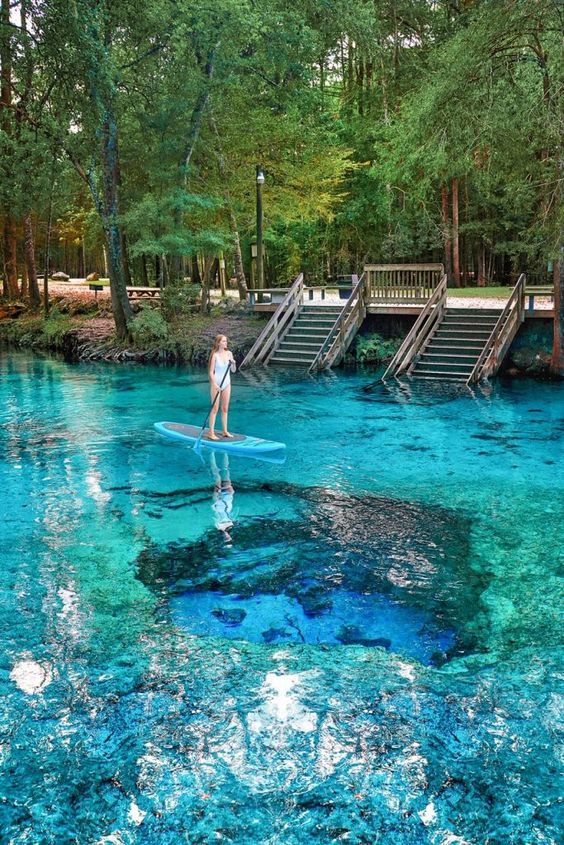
(360, 644)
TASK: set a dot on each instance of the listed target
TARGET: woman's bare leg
(225, 397)
(213, 413)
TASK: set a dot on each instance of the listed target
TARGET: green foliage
(55, 327)
(373, 348)
(149, 328)
(38, 332)
(180, 298)
(358, 112)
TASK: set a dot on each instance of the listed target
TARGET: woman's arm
(232, 364)
(212, 367)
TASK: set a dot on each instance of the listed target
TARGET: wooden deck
(402, 308)
(312, 326)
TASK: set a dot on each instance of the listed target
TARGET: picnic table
(134, 294)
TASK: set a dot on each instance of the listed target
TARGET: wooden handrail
(405, 283)
(339, 331)
(420, 331)
(409, 267)
(501, 333)
(279, 319)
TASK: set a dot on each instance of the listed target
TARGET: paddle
(218, 394)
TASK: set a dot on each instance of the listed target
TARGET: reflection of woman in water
(223, 492)
(222, 364)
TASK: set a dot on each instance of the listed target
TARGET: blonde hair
(215, 347)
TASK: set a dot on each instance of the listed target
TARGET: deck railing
(421, 331)
(401, 283)
(502, 334)
(268, 339)
(343, 329)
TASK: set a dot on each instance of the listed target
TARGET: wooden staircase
(306, 336)
(314, 337)
(451, 353)
(462, 345)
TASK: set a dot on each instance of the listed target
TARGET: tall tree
(6, 124)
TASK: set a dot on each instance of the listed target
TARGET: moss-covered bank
(87, 332)
(84, 331)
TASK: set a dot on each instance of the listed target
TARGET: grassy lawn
(485, 293)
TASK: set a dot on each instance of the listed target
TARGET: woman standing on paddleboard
(222, 364)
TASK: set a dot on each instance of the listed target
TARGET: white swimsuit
(222, 507)
(219, 371)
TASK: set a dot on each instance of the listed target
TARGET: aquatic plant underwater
(359, 644)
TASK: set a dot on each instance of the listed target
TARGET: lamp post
(260, 263)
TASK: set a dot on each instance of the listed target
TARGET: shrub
(373, 348)
(180, 298)
(55, 327)
(149, 328)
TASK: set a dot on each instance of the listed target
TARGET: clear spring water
(368, 653)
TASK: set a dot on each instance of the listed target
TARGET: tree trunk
(455, 236)
(9, 232)
(48, 246)
(481, 265)
(238, 258)
(29, 252)
(144, 274)
(195, 270)
(10, 257)
(557, 360)
(222, 281)
(110, 214)
(211, 266)
(446, 233)
(24, 286)
(360, 85)
(126, 263)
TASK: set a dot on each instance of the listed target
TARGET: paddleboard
(240, 444)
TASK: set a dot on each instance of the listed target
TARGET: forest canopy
(387, 130)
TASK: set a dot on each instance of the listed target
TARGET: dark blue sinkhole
(346, 571)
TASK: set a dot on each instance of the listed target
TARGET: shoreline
(80, 327)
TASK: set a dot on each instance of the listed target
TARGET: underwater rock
(315, 601)
(352, 635)
(229, 615)
(273, 634)
(339, 561)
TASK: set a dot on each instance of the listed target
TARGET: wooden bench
(538, 290)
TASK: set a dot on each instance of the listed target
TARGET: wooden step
(449, 376)
(440, 367)
(462, 334)
(314, 320)
(453, 343)
(284, 359)
(291, 346)
(296, 353)
(473, 312)
(468, 324)
(306, 333)
(447, 358)
(330, 310)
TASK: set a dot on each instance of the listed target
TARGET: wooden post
(222, 280)
(260, 255)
